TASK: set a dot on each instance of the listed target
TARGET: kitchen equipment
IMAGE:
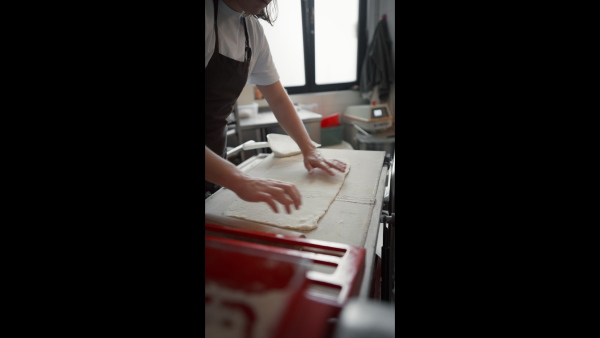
(360, 139)
(354, 216)
(284, 287)
(257, 127)
(375, 142)
(372, 118)
(332, 120)
(281, 145)
(362, 131)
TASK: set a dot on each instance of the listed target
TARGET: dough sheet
(318, 191)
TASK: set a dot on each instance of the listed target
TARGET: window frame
(308, 29)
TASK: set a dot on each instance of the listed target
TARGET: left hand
(313, 160)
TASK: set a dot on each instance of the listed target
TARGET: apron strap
(216, 6)
(248, 50)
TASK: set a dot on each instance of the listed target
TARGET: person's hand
(254, 189)
(313, 160)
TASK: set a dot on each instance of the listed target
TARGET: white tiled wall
(327, 102)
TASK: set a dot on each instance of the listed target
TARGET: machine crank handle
(249, 145)
(387, 219)
(255, 145)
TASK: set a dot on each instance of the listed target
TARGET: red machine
(267, 285)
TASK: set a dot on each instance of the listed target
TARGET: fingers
(318, 162)
(283, 198)
(267, 199)
(283, 193)
(340, 166)
(293, 192)
(308, 167)
(325, 166)
(273, 192)
(328, 166)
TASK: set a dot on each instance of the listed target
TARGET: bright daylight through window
(286, 43)
(334, 40)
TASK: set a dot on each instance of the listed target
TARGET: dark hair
(267, 13)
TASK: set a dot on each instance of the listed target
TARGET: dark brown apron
(224, 80)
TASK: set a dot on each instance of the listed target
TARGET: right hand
(254, 189)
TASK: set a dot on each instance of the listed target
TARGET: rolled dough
(318, 192)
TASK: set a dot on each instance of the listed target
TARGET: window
(318, 45)
(286, 42)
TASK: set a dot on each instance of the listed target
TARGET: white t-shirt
(232, 42)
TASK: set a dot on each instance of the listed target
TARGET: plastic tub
(331, 121)
(331, 136)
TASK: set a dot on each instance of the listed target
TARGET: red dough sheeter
(264, 281)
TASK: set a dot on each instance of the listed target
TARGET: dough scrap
(318, 191)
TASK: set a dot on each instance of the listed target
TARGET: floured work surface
(349, 215)
(317, 190)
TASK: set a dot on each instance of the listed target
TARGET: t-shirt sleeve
(264, 71)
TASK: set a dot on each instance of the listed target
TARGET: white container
(248, 110)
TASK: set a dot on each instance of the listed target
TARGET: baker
(236, 52)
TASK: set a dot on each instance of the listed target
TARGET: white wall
(327, 102)
(330, 102)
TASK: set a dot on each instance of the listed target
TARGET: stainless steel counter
(257, 127)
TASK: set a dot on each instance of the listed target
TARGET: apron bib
(224, 80)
